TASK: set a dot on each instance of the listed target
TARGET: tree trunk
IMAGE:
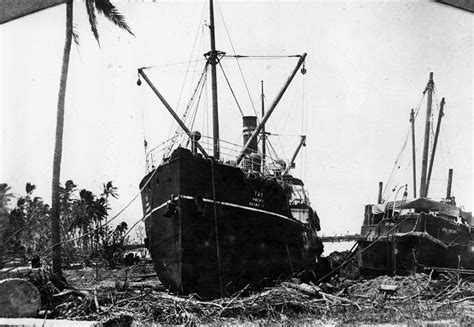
(55, 210)
(85, 240)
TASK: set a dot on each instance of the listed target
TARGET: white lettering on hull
(228, 204)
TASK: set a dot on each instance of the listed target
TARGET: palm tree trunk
(55, 210)
(85, 240)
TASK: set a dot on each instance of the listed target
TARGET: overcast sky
(368, 63)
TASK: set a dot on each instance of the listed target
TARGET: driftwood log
(18, 298)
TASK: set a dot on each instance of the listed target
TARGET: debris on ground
(134, 294)
(349, 267)
(406, 285)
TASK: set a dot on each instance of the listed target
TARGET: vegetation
(106, 8)
(84, 225)
(27, 231)
(5, 198)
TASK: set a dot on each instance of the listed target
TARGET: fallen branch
(67, 292)
(340, 299)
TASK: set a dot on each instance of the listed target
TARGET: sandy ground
(101, 278)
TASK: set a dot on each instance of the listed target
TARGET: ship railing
(401, 225)
(159, 153)
(253, 161)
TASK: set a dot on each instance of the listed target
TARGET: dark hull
(421, 242)
(215, 238)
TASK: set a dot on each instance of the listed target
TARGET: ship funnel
(253, 160)
(450, 183)
(379, 199)
(249, 125)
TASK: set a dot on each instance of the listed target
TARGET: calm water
(337, 246)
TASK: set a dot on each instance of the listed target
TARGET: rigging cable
(190, 103)
(231, 90)
(92, 230)
(419, 105)
(303, 127)
(354, 255)
(394, 169)
(216, 228)
(145, 143)
(207, 108)
(156, 67)
(238, 63)
(263, 57)
(187, 69)
(198, 101)
(275, 154)
(396, 165)
(239, 66)
(418, 149)
(293, 99)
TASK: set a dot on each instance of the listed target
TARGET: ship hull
(417, 243)
(212, 229)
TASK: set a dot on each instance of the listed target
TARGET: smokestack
(450, 183)
(249, 125)
(379, 199)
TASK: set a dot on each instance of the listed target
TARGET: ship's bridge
(299, 203)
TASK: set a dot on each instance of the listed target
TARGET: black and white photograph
(236, 162)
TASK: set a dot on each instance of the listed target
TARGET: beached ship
(217, 223)
(411, 235)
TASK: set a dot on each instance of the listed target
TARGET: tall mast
(435, 142)
(412, 121)
(213, 60)
(424, 163)
(264, 146)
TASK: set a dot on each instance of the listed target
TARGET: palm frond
(75, 35)
(92, 18)
(106, 8)
(70, 185)
(5, 195)
(30, 188)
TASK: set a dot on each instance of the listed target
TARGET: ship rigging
(402, 235)
(217, 221)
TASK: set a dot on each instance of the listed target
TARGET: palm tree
(110, 12)
(5, 197)
(108, 190)
(67, 228)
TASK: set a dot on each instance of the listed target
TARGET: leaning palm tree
(106, 8)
